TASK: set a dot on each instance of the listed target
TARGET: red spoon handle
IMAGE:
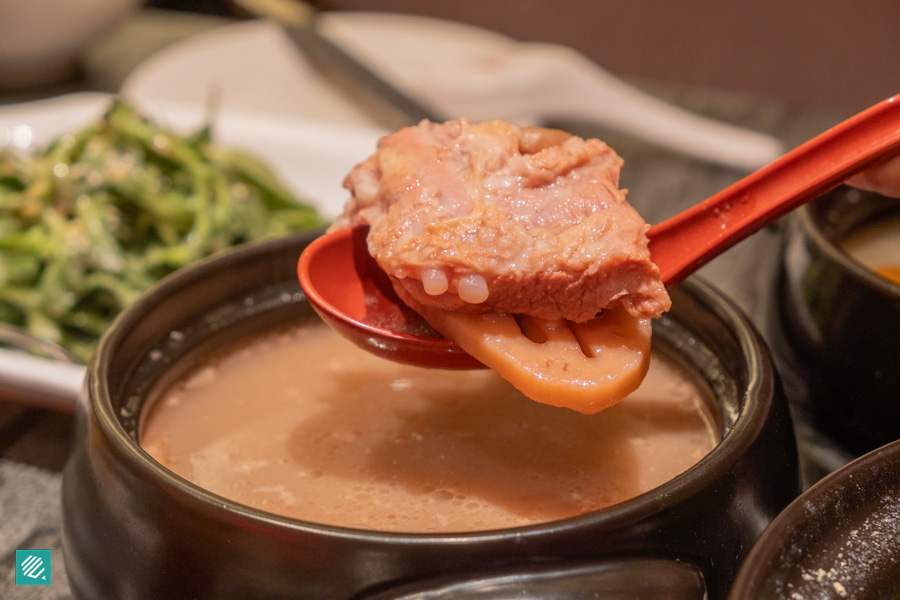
(687, 241)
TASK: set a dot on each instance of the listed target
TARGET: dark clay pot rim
(793, 524)
(757, 400)
(811, 216)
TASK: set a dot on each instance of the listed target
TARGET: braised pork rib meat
(496, 217)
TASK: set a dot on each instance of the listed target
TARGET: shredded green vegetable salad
(101, 214)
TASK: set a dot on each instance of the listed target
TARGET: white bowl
(43, 40)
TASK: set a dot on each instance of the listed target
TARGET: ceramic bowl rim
(778, 534)
(810, 220)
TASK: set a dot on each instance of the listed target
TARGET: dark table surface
(34, 442)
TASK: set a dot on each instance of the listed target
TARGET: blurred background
(835, 54)
(783, 68)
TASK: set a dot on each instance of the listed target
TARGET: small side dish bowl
(841, 320)
(132, 528)
(839, 539)
(41, 42)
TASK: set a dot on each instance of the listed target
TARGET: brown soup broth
(302, 423)
(877, 246)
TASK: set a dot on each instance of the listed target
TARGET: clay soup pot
(133, 529)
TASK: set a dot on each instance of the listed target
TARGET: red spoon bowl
(352, 294)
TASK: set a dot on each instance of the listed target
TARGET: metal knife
(379, 99)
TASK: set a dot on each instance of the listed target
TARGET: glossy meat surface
(478, 217)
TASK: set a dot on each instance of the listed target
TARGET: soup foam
(304, 424)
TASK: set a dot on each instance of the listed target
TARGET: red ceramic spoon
(353, 295)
